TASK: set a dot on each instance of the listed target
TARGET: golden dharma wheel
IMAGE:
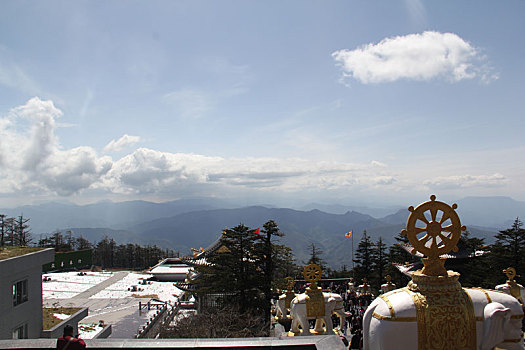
(510, 272)
(440, 231)
(312, 273)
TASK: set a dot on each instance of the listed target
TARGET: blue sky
(374, 102)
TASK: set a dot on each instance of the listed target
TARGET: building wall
(77, 259)
(15, 269)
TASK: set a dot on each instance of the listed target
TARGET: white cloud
(122, 143)
(34, 163)
(146, 171)
(426, 56)
(32, 159)
(465, 181)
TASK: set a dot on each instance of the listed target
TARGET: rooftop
(11, 252)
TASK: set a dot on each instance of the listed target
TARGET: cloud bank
(34, 162)
(421, 57)
(466, 181)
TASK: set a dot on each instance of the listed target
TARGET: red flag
(256, 230)
(348, 234)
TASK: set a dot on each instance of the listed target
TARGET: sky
(282, 102)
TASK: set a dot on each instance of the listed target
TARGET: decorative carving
(445, 313)
(438, 239)
(315, 301)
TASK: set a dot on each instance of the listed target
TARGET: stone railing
(319, 342)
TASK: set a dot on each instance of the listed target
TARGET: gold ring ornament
(439, 234)
(510, 272)
(312, 273)
(514, 288)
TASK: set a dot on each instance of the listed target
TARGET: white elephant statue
(333, 304)
(388, 286)
(434, 312)
(392, 322)
(512, 287)
(505, 288)
(281, 309)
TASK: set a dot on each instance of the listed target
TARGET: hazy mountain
(48, 217)
(201, 228)
(341, 209)
(199, 222)
(497, 212)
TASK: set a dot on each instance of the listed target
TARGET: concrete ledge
(320, 342)
(58, 330)
(104, 333)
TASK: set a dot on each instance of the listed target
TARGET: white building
(21, 292)
(170, 269)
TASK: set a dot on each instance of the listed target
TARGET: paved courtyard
(108, 298)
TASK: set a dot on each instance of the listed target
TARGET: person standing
(68, 342)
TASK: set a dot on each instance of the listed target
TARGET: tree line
(374, 260)
(107, 253)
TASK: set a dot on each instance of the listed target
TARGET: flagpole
(353, 267)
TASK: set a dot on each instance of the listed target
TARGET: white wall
(28, 267)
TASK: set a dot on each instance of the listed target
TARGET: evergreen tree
(510, 246)
(400, 256)
(473, 270)
(315, 257)
(10, 228)
(82, 243)
(380, 262)
(3, 229)
(364, 256)
(236, 270)
(270, 229)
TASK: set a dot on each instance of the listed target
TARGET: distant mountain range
(197, 223)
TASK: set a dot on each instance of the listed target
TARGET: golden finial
(290, 283)
(510, 272)
(312, 273)
(514, 289)
(433, 239)
(388, 279)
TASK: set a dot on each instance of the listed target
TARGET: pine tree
(473, 271)
(270, 229)
(81, 243)
(2, 229)
(380, 262)
(237, 270)
(10, 231)
(512, 246)
(400, 256)
(315, 257)
(364, 256)
(507, 251)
